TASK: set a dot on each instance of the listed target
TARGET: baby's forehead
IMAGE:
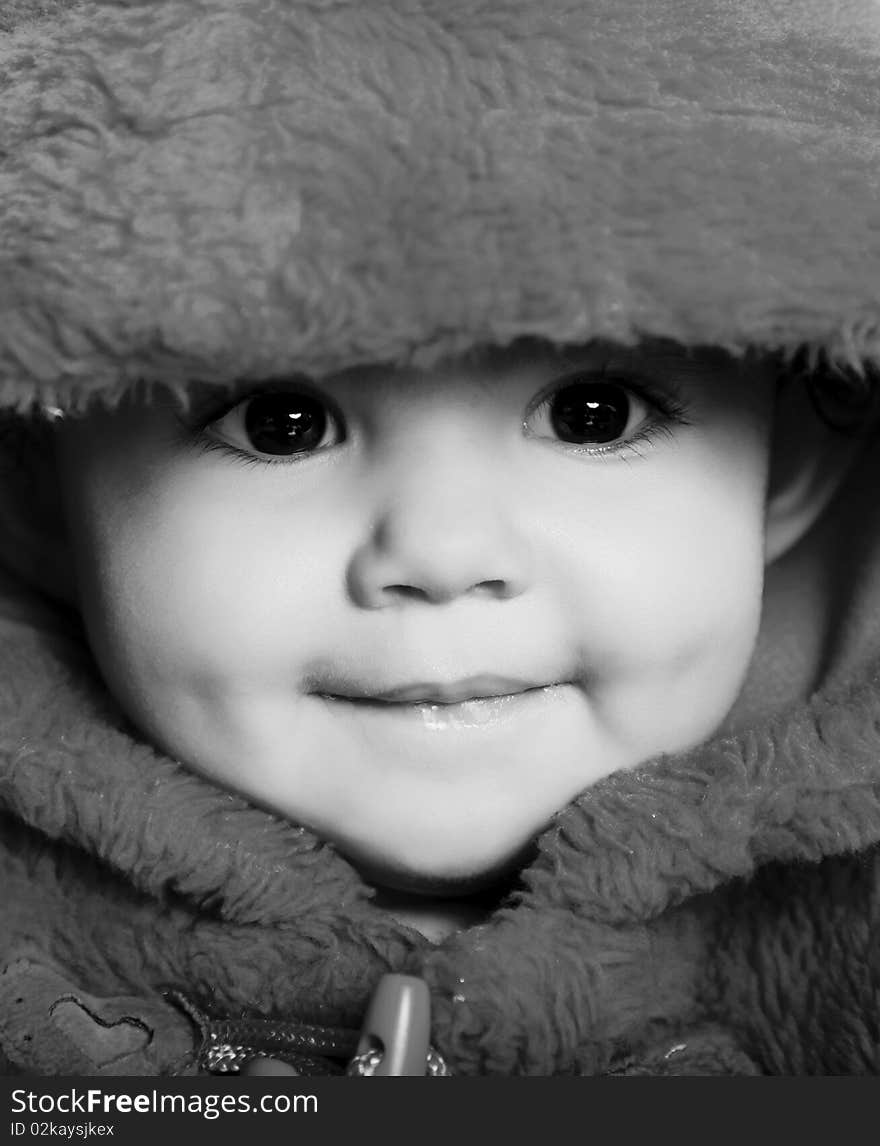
(483, 364)
(492, 370)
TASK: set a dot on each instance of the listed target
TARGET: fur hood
(227, 189)
(230, 189)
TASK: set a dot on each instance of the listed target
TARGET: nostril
(441, 594)
(412, 592)
(492, 588)
(403, 568)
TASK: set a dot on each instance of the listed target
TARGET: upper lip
(444, 692)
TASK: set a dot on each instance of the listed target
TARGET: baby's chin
(454, 879)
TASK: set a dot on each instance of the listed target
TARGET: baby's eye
(590, 412)
(280, 424)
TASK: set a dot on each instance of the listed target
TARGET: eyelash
(197, 423)
(667, 412)
(208, 445)
(636, 447)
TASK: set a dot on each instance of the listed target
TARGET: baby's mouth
(481, 701)
(469, 689)
(457, 692)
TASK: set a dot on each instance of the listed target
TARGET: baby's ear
(33, 534)
(810, 459)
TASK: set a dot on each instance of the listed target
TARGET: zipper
(394, 1039)
(396, 1030)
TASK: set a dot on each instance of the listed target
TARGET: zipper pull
(396, 1030)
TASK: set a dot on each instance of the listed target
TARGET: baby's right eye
(274, 425)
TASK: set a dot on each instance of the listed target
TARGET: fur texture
(226, 188)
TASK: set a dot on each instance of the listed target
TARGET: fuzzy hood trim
(240, 189)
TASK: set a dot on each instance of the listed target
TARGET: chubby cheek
(188, 600)
(667, 582)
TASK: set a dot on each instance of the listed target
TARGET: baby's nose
(438, 550)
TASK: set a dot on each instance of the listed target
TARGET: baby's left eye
(590, 412)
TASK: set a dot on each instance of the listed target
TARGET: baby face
(420, 612)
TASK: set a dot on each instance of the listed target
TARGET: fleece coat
(231, 189)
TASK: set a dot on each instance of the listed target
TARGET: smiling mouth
(442, 695)
(484, 705)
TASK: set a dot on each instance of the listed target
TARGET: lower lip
(487, 712)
